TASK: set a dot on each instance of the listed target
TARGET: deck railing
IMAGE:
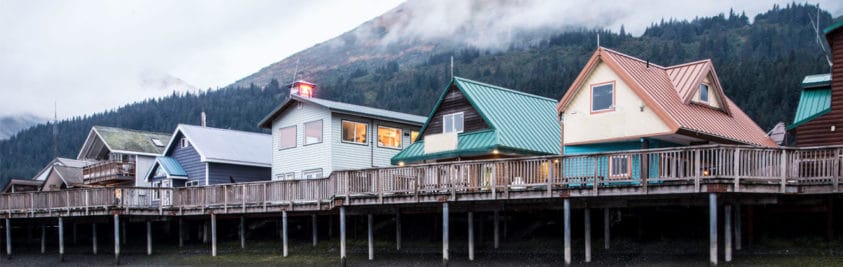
(724, 164)
(108, 170)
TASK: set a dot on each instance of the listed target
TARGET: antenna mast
(598, 39)
(295, 73)
(55, 129)
(452, 67)
(816, 26)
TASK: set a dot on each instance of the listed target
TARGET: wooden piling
(606, 228)
(148, 237)
(371, 237)
(116, 239)
(94, 238)
(727, 232)
(43, 239)
(398, 230)
(342, 236)
(314, 228)
(567, 230)
(284, 232)
(61, 239)
(712, 228)
(213, 235)
(445, 234)
(738, 222)
(587, 222)
(496, 232)
(181, 232)
(8, 238)
(470, 236)
(242, 232)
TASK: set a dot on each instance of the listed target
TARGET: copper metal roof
(668, 91)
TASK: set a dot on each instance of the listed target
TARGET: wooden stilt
(606, 230)
(712, 228)
(496, 232)
(727, 232)
(75, 240)
(43, 239)
(470, 236)
(398, 230)
(314, 228)
(587, 222)
(9, 238)
(181, 232)
(567, 230)
(61, 239)
(371, 237)
(148, 237)
(242, 232)
(738, 226)
(213, 235)
(445, 234)
(123, 233)
(116, 239)
(94, 238)
(342, 236)
(284, 232)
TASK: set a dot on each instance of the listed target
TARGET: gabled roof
(814, 100)
(60, 162)
(70, 175)
(666, 91)
(14, 182)
(345, 108)
(226, 146)
(170, 166)
(520, 123)
(125, 141)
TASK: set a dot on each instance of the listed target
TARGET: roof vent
(648, 63)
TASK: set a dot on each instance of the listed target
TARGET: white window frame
(191, 183)
(295, 137)
(184, 142)
(321, 132)
(312, 174)
(155, 193)
(342, 133)
(624, 173)
(400, 137)
(707, 92)
(612, 96)
(451, 117)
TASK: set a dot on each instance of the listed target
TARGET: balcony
(108, 173)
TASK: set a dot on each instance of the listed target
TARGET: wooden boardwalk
(697, 175)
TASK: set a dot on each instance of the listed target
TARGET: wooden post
(94, 237)
(342, 236)
(606, 229)
(116, 239)
(313, 227)
(9, 238)
(567, 230)
(205, 233)
(727, 232)
(697, 170)
(213, 235)
(398, 230)
(712, 228)
(61, 240)
(242, 232)
(43, 239)
(470, 236)
(445, 234)
(496, 228)
(74, 233)
(371, 238)
(148, 237)
(181, 232)
(738, 227)
(587, 222)
(784, 171)
(123, 233)
(284, 231)
(737, 170)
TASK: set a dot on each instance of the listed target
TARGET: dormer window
(185, 142)
(703, 92)
(603, 97)
(453, 123)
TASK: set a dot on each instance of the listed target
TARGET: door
(166, 192)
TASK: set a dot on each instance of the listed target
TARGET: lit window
(452, 123)
(602, 97)
(354, 132)
(619, 166)
(287, 137)
(389, 137)
(413, 136)
(184, 142)
(313, 132)
(703, 92)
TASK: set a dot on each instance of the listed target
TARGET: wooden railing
(108, 170)
(736, 166)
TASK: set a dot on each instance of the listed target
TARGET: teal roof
(171, 166)
(812, 104)
(816, 80)
(833, 27)
(520, 123)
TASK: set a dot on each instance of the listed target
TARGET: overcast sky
(90, 56)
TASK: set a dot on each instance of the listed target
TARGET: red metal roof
(668, 91)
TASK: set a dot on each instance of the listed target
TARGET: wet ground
(536, 252)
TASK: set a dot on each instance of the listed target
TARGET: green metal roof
(833, 27)
(520, 123)
(816, 80)
(171, 166)
(812, 104)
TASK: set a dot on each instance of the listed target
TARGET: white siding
(142, 166)
(302, 157)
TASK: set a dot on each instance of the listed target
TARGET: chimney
(302, 88)
(204, 118)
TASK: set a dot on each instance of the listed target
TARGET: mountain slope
(10, 125)
(760, 65)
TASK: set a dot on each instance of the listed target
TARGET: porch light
(495, 151)
(401, 164)
(706, 172)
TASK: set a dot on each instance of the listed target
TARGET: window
(185, 142)
(155, 194)
(703, 92)
(452, 123)
(157, 142)
(603, 97)
(389, 137)
(619, 166)
(413, 136)
(312, 174)
(287, 137)
(313, 132)
(191, 183)
(289, 176)
(354, 132)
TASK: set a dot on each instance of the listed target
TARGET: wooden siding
(454, 102)
(142, 166)
(817, 132)
(219, 173)
(189, 160)
(302, 157)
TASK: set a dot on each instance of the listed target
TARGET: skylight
(157, 142)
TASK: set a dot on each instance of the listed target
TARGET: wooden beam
(496, 228)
